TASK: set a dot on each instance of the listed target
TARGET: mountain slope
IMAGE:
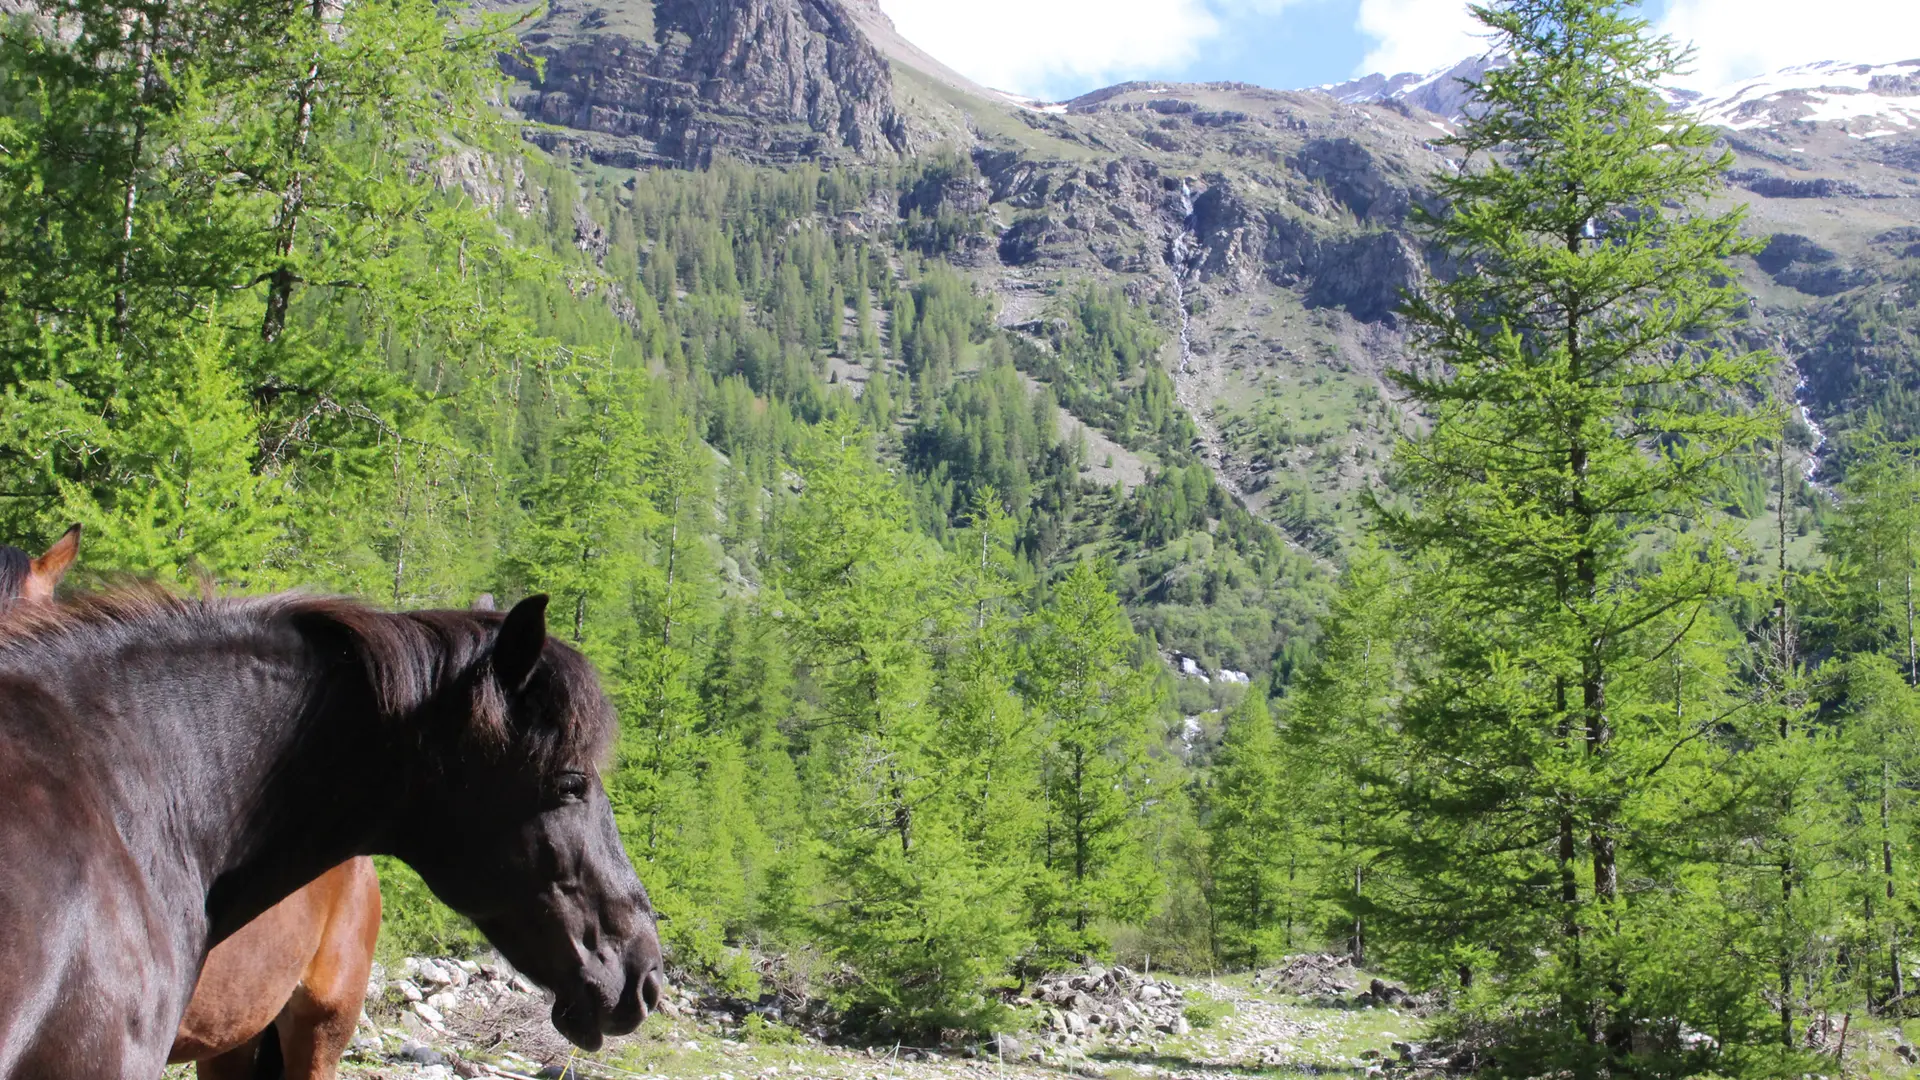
(1266, 233)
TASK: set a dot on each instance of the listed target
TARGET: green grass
(1205, 1011)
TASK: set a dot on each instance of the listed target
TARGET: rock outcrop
(771, 81)
(1108, 1004)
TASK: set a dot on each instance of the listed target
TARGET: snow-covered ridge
(1870, 100)
(1438, 91)
(1876, 99)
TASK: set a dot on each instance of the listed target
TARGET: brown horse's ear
(522, 638)
(484, 602)
(48, 569)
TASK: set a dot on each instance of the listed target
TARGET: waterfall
(1179, 259)
(1179, 266)
(1819, 434)
(1802, 399)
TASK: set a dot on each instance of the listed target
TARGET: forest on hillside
(285, 302)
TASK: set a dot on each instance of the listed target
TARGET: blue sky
(1056, 49)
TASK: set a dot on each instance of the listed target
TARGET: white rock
(444, 1002)
(409, 991)
(430, 1014)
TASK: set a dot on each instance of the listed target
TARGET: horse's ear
(484, 602)
(48, 569)
(522, 638)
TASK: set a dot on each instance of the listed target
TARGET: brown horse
(28, 580)
(174, 769)
(298, 972)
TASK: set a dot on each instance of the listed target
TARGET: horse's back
(81, 937)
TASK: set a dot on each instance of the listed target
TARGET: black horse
(171, 768)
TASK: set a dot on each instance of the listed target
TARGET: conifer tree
(1581, 401)
(582, 543)
(1096, 710)
(1874, 547)
(1343, 754)
(1252, 838)
(187, 500)
(924, 922)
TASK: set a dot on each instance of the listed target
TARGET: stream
(1800, 399)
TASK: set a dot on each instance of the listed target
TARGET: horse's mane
(407, 657)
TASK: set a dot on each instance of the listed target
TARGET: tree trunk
(293, 200)
(1358, 949)
(1886, 867)
(147, 61)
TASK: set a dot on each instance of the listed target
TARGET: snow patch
(1886, 96)
(1826, 92)
(1033, 105)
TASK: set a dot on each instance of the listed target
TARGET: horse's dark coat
(15, 565)
(171, 768)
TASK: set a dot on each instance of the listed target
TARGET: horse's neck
(318, 785)
(255, 758)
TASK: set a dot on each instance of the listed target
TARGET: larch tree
(1583, 403)
(1095, 708)
(1252, 837)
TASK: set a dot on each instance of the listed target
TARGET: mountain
(1441, 91)
(1868, 101)
(674, 82)
(1265, 232)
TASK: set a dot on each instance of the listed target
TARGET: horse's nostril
(651, 988)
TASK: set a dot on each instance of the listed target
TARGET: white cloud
(1059, 47)
(1740, 38)
(1734, 38)
(1047, 47)
(1416, 35)
(1041, 46)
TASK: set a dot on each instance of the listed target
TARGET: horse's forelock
(412, 656)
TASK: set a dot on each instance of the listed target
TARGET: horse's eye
(571, 785)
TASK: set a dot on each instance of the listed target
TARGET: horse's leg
(235, 1064)
(314, 1034)
(319, 1020)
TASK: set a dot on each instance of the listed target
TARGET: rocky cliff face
(774, 81)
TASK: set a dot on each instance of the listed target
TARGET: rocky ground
(1311, 1016)
(434, 1019)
